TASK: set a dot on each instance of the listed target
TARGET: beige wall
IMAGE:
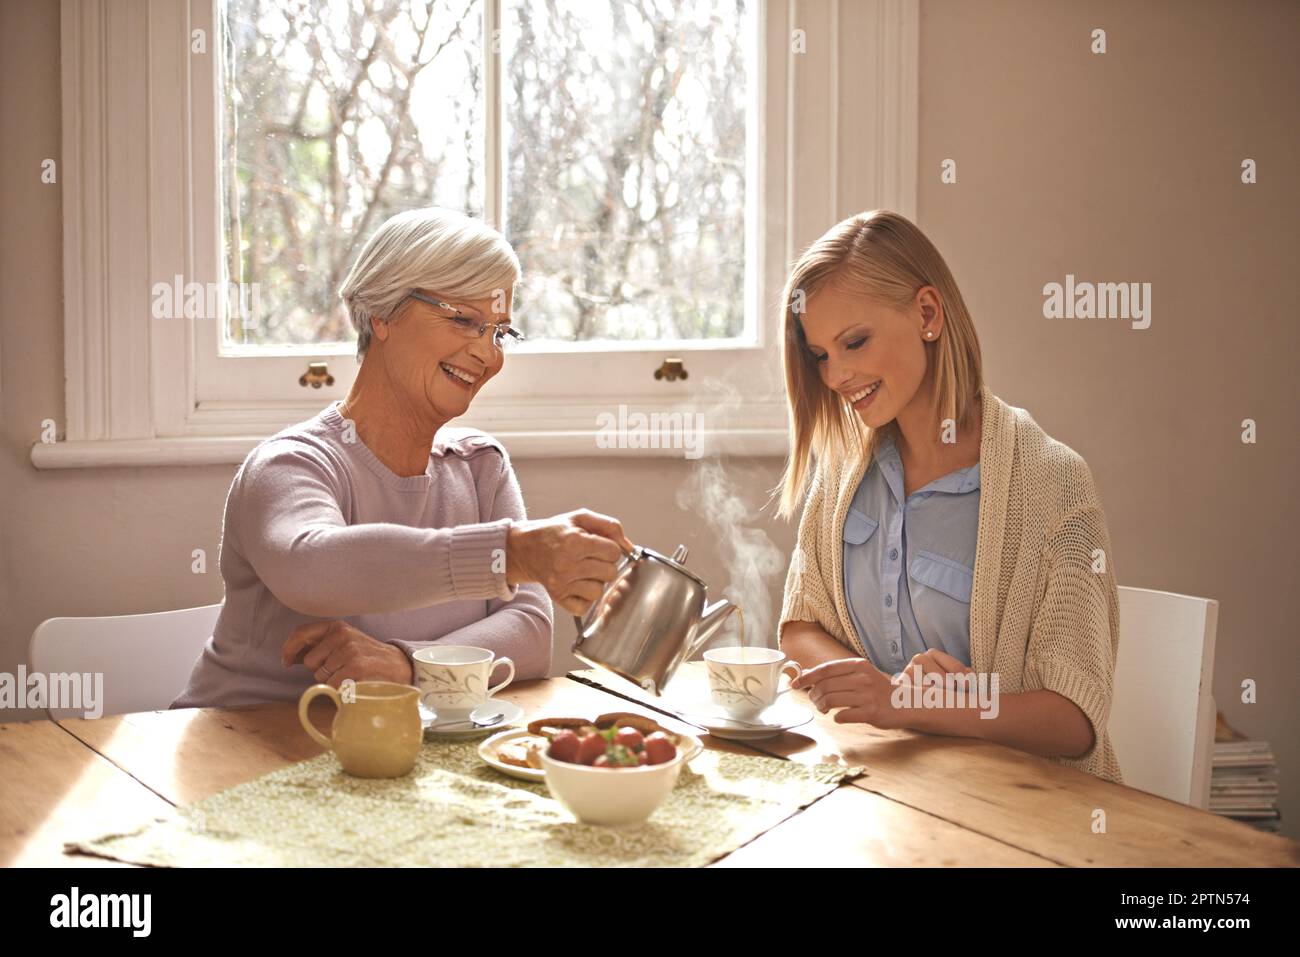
(1120, 167)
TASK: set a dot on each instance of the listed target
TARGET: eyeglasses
(503, 334)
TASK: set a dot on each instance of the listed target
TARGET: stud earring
(929, 334)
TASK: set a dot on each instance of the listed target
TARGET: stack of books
(1243, 782)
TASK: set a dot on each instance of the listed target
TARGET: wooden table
(924, 800)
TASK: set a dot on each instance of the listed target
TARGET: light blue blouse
(932, 536)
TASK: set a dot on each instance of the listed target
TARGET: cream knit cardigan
(1041, 617)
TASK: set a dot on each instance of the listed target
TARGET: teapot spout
(712, 619)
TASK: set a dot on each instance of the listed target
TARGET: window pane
(336, 115)
(625, 125)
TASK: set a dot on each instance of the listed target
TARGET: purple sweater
(316, 527)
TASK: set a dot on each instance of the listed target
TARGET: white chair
(146, 660)
(1162, 711)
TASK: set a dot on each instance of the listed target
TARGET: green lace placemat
(453, 810)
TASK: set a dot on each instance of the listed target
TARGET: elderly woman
(946, 540)
(374, 529)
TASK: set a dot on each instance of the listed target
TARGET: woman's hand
(572, 556)
(335, 651)
(855, 685)
(929, 662)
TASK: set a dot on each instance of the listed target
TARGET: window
(627, 159)
(623, 145)
(333, 118)
(615, 143)
(656, 165)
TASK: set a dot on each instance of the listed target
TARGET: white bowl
(616, 797)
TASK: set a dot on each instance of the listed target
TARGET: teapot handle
(627, 559)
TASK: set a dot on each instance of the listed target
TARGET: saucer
(461, 728)
(487, 750)
(779, 718)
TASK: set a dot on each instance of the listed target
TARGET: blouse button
(889, 601)
(893, 553)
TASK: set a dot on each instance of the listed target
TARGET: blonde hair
(884, 257)
(429, 248)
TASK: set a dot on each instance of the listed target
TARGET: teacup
(743, 682)
(453, 679)
(376, 732)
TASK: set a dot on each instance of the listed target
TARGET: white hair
(430, 248)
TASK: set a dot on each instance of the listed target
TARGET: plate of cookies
(518, 751)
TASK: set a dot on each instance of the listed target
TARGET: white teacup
(743, 682)
(453, 679)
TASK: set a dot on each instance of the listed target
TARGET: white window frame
(565, 384)
(138, 209)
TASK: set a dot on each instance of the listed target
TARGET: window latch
(672, 370)
(317, 375)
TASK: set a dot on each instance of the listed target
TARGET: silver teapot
(652, 617)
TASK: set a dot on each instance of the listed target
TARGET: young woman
(946, 541)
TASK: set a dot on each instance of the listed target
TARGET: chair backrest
(146, 660)
(1162, 712)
